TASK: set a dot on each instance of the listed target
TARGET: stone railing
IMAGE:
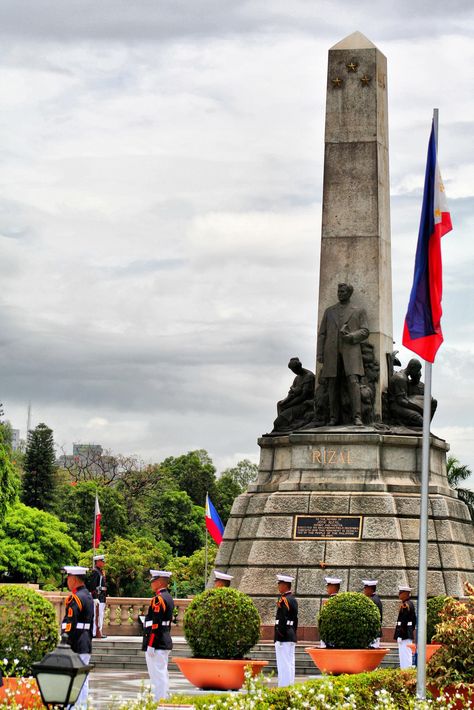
(121, 613)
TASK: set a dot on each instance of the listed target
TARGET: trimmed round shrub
(221, 623)
(28, 628)
(349, 620)
(433, 607)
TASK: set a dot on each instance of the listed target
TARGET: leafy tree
(38, 478)
(456, 473)
(189, 572)
(9, 482)
(75, 506)
(243, 473)
(178, 521)
(34, 545)
(193, 472)
(128, 563)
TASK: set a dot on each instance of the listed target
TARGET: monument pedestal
(345, 503)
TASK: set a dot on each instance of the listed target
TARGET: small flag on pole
(214, 524)
(97, 516)
(422, 330)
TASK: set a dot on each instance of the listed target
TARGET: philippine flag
(97, 533)
(214, 524)
(422, 330)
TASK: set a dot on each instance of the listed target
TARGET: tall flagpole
(425, 482)
(205, 555)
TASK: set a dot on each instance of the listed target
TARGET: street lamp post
(60, 675)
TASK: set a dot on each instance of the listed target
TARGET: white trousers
(285, 658)
(157, 664)
(404, 653)
(99, 611)
(81, 701)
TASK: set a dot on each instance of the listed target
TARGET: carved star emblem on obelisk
(337, 82)
(353, 66)
(365, 80)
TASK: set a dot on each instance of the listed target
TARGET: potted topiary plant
(221, 625)
(451, 670)
(433, 609)
(28, 631)
(348, 622)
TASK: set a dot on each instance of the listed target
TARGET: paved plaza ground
(111, 685)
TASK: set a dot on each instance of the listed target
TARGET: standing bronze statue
(343, 328)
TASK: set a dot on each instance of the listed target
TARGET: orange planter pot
(216, 673)
(431, 648)
(22, 691)
(346, 660)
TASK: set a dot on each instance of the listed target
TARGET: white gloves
(150, 651)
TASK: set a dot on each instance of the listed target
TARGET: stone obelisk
(355, 239)
(344, 501)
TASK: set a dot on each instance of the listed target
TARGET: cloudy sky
(160, 209)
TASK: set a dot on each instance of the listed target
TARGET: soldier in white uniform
(333, 585)
(221, 579)
(98, 588)
(157, 642)
(286, 626)
(405, 628)
(370, 591)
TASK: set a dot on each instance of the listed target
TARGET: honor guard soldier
(221, 579)
(98, 589)
(78, 620)
(286, 626)
(333, 585)
(405, 628)
(157, 641)
(370, 590)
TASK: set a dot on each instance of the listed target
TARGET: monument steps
(127, 655)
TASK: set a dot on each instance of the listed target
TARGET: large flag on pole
(214, 524)
(97, 516)
(422, 330)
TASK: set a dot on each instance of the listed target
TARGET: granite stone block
(311, 581)
(240, 504)
(287, 503)
(372, 504)
(308, 610)
(363, 553)
(257, 503)
(381, 528)
(241, 552)
(335, 504)
(434, 582)
(456, 556)
(411, 550)
(388, 579)
(276, 526)
(291, 552)
(249, 527)
(407, 505)
(232, 528)
(398, 458)
(262, 580)
(224, 553)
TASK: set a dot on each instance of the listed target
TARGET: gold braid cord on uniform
(158, 604)
(285, 602)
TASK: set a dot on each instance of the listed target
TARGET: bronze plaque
(327, 527)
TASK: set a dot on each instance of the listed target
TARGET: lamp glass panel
(54, 687)
(78, 682)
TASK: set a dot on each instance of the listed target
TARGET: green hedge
(28, 628)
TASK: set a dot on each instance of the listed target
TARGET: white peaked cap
(76, 571)
(159, 573)
(222, 575)
(332, 580)
(370, 582)
(404, 588)
(98, 557)
(285, 578)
